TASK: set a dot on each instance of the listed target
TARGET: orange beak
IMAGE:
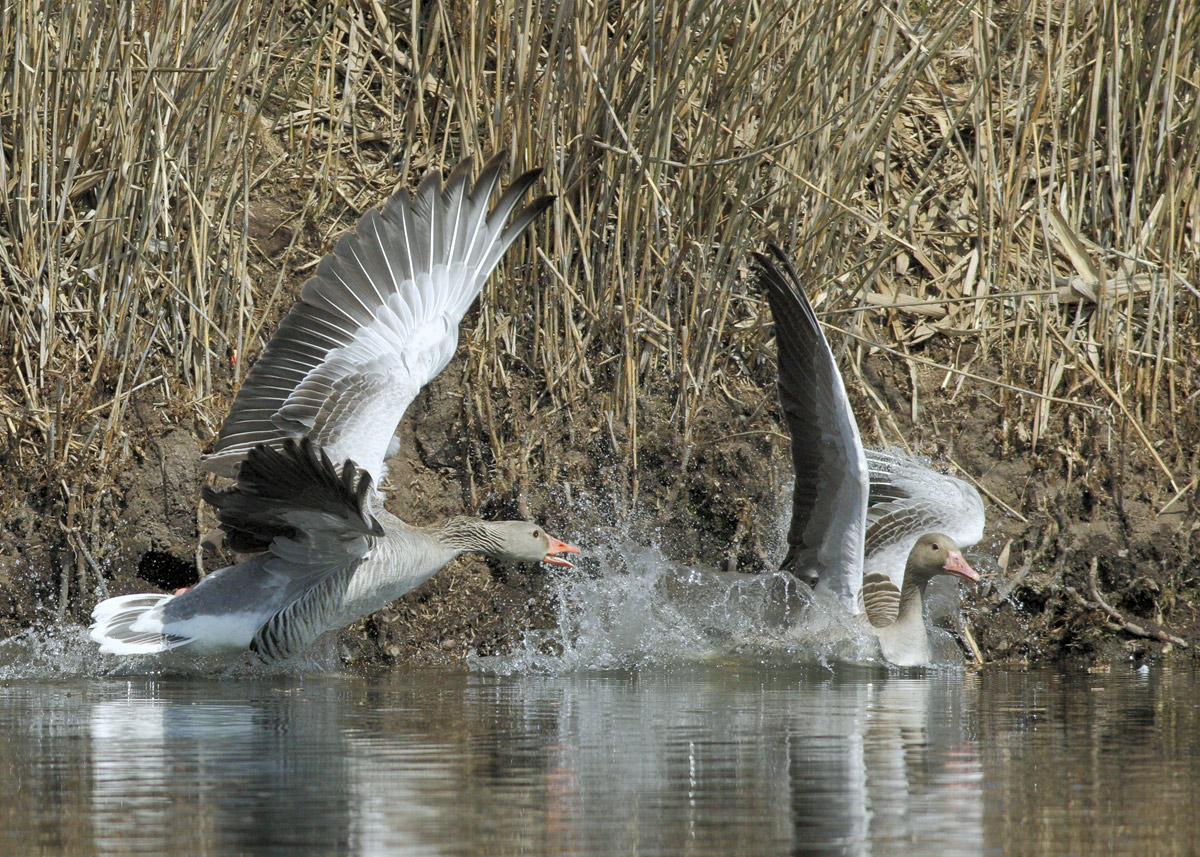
(955, 564)
(557, 547)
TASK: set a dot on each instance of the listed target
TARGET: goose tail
(133, 625)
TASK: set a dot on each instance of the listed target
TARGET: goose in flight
(869, 527)
(311, 427)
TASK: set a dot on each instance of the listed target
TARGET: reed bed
(1003, 193)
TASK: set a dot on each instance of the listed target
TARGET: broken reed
(1011, 172)
(1009, 189)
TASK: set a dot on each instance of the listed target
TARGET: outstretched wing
(907, 500)
(377, 321)
(829, 504)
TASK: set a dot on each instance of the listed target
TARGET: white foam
(643, 609)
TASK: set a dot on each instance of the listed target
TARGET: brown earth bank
(1084, 556)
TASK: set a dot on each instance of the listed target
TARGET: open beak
(955, 564)
(557, 547)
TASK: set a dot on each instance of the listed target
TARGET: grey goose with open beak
(311, 427)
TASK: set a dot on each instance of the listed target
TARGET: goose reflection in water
(738, 763)
(222, 776)
(856, 766)
(736, 758)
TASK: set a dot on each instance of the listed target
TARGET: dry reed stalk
(124, 267)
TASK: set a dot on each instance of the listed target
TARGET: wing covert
(908, 499)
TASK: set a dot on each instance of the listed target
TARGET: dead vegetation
(1003, 195)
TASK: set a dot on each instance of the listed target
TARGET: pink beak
(557, 547)
(955, 564)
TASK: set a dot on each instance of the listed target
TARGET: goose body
(377, 321)
(859, 517)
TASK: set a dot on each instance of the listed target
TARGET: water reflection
(725, 759)
(244, 768)
(743, 763)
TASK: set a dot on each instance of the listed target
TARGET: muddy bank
(1083, 498)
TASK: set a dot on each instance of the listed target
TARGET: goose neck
(912, 599)
(462, 534)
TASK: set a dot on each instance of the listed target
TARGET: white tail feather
(132, 625)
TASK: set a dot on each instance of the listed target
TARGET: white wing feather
(378, 320)
(908, 499)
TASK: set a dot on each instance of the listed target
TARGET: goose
(870, 528)
(310, 429)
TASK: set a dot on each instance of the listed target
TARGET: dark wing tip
(461, 171)
(274, 482)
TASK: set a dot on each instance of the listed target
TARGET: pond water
(727, 757)
(667, 710)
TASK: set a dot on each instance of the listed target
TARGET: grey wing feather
(830, 497)
(908, 499)
(379, 316)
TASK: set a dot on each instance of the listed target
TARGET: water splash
(48, 653)
(66, 651)
(641, 609)
(635, 608)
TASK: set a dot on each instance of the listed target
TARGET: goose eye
(936, 546)
(536, 533)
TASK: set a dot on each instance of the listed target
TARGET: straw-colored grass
(1006, 191)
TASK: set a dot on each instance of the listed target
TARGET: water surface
(725, 758)
(667, 710)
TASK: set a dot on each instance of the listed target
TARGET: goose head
(937, 553)
(524, 541)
